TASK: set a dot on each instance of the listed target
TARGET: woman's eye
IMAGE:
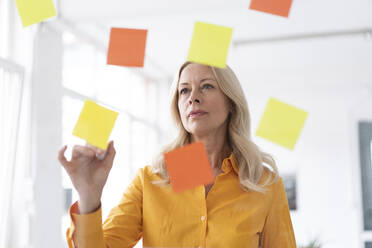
(183, 91)
(207, 86)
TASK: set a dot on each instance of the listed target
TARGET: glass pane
(138, 101)
(79, 67)
(139, 148)
(153, 98)
(114, 86)
(71, 109)
(85, 72)
(70, 112)
(121, 173)
(4, 28)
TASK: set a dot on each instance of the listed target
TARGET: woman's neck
(217, 149)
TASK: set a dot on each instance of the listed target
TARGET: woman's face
(202, 105)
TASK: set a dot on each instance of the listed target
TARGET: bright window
(85, 75)
(4, 27)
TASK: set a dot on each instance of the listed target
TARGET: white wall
(327, 78)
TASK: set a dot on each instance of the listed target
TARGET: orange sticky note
(275, 7)
(188, 167)
(127, 47)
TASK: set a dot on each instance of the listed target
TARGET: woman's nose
(194, 100)
(194, 97)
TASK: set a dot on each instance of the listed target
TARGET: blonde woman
(246, 206)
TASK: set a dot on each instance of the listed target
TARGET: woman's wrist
(87, 206)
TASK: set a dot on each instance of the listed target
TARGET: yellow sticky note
(281, 123)
(95, 124)
(210, 44)
(34, 11)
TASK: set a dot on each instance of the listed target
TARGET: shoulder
(274, 195)
(146, 173)
(271, 181)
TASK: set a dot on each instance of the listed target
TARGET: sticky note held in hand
(188, 167)
(275, 7)
(95, 124)
(210, 44)
(281, 123)
(127, 47)
(35, 11)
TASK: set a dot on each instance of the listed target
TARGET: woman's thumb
(110, 152)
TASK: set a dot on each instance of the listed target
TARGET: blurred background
(319, 59)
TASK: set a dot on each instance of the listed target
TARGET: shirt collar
(230, 163)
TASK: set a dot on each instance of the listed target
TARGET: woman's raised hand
(88, 170)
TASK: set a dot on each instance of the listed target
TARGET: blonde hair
(250, 160)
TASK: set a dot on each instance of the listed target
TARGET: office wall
(331, 79)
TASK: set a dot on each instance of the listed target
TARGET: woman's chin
(199, 131)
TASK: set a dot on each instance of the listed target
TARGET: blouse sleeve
(278, 231)
(121, 229)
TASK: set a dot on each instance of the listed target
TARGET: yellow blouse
(227, 218)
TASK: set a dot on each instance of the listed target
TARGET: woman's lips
(196, 115)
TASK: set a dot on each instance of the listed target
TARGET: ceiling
(314, 14)
(170, 22)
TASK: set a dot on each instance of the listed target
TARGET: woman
(245, 207)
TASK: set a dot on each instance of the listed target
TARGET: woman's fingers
(82, 151)
(86, 155)
(61, 156)
(110, 153)
(97, 150)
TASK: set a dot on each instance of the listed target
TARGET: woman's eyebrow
(205, 79)
(202, 80)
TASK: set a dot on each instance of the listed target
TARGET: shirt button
(203, 218)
